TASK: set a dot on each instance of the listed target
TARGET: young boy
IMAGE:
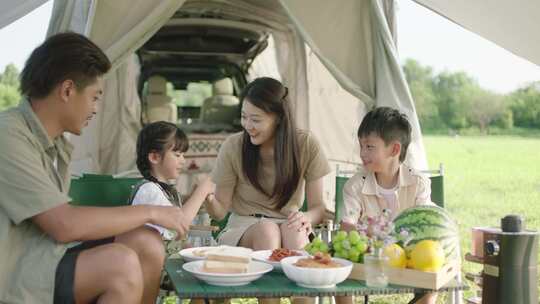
(383, 181)
(42, 260)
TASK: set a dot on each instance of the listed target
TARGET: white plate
(255, 271)
(263, 255)
(192, 254)
(200, 253)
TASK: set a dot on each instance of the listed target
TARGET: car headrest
(223, 87)
(157, 85)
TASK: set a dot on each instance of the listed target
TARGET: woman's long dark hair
(159, 137)
(271, 96)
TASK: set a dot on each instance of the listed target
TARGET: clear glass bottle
(375, 264)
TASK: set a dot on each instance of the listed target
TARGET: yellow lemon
(396, 256)
(427, 255)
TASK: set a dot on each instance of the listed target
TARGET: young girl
(160, 157)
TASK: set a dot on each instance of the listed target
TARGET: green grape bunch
(317, 245)
(350, 246)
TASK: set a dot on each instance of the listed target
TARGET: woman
(261, 173)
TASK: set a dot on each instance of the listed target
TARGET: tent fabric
(365, 37)
(319, 24)
(68, 15)
(11, 11)
(366, 62)
(512, 25)
(391, 87)
(120, 27)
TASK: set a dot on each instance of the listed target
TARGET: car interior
(194, 68)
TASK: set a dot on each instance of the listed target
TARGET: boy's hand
(346, 226)
(171, 218)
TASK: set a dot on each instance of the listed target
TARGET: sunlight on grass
(487, 178)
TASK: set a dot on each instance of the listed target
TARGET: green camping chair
(437, 185)
(101, 190)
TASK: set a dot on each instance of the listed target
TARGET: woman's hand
(206, 186)
(299, 221)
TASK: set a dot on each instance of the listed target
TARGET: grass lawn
(487, 178)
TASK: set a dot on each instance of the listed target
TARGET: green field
(487, 178)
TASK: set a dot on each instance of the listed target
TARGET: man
(41, 260)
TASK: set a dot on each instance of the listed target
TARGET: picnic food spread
(319, 260)
(228, 260)
(281, 253)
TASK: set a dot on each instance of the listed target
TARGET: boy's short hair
(389, 124)
(62, 56)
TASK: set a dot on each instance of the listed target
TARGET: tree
(484, 108)
(9, 87)
(10, 77)
(525, 105)
(9, 96)
(420, 79)
(453, 92)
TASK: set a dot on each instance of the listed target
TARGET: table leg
(417, 296)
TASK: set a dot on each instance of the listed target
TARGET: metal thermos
(510, 264)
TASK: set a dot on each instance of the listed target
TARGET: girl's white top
(152, 194)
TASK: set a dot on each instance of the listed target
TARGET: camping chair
(109, 191)
(101, 190)
(437, 185)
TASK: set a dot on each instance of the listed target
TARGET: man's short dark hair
(388, 124)
(61, 57)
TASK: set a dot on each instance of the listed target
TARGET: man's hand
(171, 218)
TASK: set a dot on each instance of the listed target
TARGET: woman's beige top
(247, 200)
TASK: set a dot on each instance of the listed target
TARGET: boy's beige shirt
(362, 200)
(247, 200)
(29, 185)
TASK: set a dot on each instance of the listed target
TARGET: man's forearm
(91, 223)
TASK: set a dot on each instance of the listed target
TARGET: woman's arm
(315, 205)
(218, 205)
(315, 201)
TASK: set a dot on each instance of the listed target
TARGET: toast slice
(224, 267)
(231, 254)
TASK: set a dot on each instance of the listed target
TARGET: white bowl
(255, 271)
(316, 277)
(263, 255)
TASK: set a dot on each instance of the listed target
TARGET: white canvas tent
(352, 39)
(365, 65)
